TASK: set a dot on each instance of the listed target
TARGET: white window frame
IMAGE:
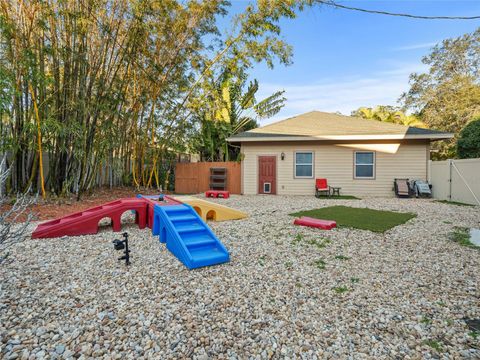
(373, 164)
(311, 164)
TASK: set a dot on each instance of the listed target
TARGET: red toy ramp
(155, 200)
(86, 222)
(316, 223)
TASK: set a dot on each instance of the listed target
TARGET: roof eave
(442, 136)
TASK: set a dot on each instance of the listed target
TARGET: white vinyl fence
(456, 180)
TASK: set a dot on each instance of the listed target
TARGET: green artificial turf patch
(359, 218)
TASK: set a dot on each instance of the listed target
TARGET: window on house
(364, 165)
(304, 164)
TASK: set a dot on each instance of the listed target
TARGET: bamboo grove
(89, 85)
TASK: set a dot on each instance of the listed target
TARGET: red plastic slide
(316, 223)
(86, 222)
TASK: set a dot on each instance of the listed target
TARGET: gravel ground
(285, 293)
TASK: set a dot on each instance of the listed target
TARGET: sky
(344, 59)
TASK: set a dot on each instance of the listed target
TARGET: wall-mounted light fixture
(282, 156)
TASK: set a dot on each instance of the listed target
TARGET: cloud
(415, 46)
(343, 94)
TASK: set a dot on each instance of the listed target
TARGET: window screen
(304, 164)
(364, 165)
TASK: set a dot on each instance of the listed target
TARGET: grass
(319, 244)
(342, 257)
(474, 334)
(453, 203)
(359, 218)
(434, 345)
(426, 320)
(320, 264)
(261, 260)
(298, 239)
(461, 235)
(340, 289)
(339, 197)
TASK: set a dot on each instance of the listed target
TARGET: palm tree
(231, 108)
(389, 114)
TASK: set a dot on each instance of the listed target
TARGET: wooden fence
(194, 178)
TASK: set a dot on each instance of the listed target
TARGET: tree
(447, 97)
(104, 89)
(231, 108)
(389, 114)
(468, 143)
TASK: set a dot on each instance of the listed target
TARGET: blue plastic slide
(187, 236)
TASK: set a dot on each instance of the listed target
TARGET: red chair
(321, 187)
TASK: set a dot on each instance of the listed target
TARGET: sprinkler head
(118, 244)
(123, 245)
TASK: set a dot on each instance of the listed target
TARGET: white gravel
(407, 291)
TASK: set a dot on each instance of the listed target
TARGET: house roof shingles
(317, 125)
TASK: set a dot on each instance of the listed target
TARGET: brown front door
(267, 175)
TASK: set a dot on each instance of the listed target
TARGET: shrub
(468, 144)
(10, 231)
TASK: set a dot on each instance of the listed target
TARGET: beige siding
(334, 161)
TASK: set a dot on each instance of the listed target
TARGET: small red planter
(316, 223)
(217, 194)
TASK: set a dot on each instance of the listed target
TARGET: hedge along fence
(194, 178)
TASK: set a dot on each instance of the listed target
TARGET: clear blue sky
(344, 59)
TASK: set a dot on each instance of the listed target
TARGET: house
(361, 156)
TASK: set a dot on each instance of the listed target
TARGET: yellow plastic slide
(211, 211)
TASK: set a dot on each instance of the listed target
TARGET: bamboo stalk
(39, 140)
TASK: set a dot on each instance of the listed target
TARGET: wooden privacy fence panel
(456, 180)
(194, 178)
